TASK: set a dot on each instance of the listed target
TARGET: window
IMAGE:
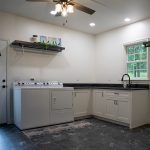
(137, 61)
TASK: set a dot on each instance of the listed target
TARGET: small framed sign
(50, 40)
(54, 41)
(43, 39)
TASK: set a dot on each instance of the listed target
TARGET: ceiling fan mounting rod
(64, 2)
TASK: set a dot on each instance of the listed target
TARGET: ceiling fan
(63, 7)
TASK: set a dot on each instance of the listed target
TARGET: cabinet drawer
(110, 94)
(124, 96)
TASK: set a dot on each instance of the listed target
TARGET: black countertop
(106, 86)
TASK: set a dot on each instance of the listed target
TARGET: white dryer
(62, 105)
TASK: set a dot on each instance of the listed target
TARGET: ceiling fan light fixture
(70, 9)
(53, 12)
(64, 12)
(92, 24)
(58, 7)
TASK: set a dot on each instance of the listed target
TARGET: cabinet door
(111, 109)
(34, 108)
(99, 103)
(82, 103)
(123, 107)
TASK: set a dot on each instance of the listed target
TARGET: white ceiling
(108, 16)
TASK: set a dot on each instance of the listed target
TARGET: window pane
(143, 73)
(143, 56)
(137, 73)
(143, 48)
(130, 66)
(130, 49)
(130, 57)
(131, 74)
(140, 73)
(135, 66)
(137, 48)
(137, 56)
(142, 65)
(137, 61)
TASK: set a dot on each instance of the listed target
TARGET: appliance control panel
(26, 83)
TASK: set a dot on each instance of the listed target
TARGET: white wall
(110, 53)
(86, 59)
(75, 64)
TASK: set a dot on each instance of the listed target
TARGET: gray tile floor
(13, 139)
(88, 134)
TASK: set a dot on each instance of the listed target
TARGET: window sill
(138, 80)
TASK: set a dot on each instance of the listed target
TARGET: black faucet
(128, 77)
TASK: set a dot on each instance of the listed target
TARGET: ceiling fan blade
(56, 1)
(38, 0)
(84, 8)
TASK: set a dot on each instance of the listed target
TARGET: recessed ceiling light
(127, 19)
(53, 12)
(92, 24)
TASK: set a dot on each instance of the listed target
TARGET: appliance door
(34, 108)
(62, 106)
(62, 99)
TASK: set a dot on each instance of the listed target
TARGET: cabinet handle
(116, 93)
(102, 94)
(54, 99)
(75, 94)
(116, 102)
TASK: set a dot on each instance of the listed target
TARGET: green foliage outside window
(137, 61)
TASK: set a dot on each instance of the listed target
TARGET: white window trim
(148, 58)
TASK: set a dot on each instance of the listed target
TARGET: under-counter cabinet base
(117, 105)
(139, 108)
(124, 107)
(42, 107)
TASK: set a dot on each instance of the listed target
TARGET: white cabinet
(117, 105)
(82, 103)
(139, 108)
(124, 100)
(99, 103)
(111, 109)
(129, 107)
(62, 104)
